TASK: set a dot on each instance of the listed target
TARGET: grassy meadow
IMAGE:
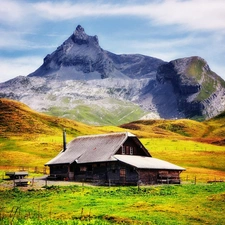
(165, 204)
(29, 139)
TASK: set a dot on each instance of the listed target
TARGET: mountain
(81, 81)
(81, 58)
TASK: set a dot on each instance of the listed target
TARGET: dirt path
(38, 183)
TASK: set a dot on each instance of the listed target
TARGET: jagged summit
(80, 37)
(79, 30)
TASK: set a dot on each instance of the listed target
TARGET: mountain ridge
(81, 81)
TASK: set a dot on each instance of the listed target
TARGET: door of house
(123, 175)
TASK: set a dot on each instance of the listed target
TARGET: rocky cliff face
(82, 81)
(196, 86)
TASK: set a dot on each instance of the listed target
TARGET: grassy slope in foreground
(167, 204)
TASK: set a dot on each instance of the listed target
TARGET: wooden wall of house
(114, 173)
(59, 171)
(120, 173)
(169, 176)
(90, 172)
(106, 173)
(159, 176)
(148, 176)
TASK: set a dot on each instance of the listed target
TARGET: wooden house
(115, 158)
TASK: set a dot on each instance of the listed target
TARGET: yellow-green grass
(167, 204)
(216, 126)
(182, 128)
(201, 175)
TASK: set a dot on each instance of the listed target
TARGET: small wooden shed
(115, 158)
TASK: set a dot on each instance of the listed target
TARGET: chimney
(64, 140)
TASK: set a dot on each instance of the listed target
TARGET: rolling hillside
(30, 139)
(18, 119)
(209, 131)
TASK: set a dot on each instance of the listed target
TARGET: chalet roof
(92, 148)
(143, 162)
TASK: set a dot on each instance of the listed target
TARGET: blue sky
(166, 29)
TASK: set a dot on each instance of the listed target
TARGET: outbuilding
(114, 158)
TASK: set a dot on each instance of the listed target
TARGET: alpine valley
(81, 81)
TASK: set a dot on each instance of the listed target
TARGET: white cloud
(193, 14)
(12, 40)
(11, 11)
(16, 40)
(10, 68)
(18, 14)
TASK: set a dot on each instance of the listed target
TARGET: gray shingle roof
(91, 148)
(102, 148)
(143, 162)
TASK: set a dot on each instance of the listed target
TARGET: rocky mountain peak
(80, 37)
(79, 29)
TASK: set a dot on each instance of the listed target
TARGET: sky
(165, 29)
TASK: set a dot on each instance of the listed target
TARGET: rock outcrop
(195, 84)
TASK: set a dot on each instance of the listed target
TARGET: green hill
(29, 138)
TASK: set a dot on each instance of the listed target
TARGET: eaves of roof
(143, 162)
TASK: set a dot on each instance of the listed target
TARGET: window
(127, 150)
(71, 168)
(83, 168)
(89, 168)
(131, 150)
(123, 150)
(122, 172)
